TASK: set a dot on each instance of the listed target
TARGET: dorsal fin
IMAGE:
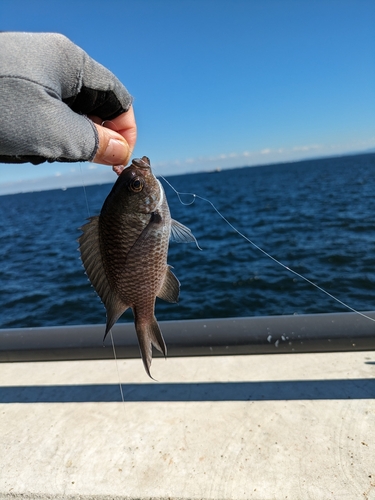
(89, 246)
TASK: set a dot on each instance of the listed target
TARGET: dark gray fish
(124, 251)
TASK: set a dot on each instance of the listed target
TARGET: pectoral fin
(182, 234)
(170, 289)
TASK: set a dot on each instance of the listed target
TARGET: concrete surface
(239, 427)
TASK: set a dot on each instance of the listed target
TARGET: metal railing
(334, 332)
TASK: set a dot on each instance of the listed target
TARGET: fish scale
(124, 252)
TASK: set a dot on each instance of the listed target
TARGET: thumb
(113, 148)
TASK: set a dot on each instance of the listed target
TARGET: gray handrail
(334, 332)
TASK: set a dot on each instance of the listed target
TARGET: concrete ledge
(233, 427)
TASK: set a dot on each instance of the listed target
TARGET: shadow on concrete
(192, 392)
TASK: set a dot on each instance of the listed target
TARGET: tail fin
(149, 334)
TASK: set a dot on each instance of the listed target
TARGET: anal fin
(170, 289)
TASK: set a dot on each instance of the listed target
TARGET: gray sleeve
(47, 87)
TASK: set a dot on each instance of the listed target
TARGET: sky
(218, 83)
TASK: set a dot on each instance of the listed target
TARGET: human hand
(49, 89)
(126, 127)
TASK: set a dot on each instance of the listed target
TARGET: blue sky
(219, 83)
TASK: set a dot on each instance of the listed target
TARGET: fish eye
(136, 185)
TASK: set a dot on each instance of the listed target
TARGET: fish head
(136, 189)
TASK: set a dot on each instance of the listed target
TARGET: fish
(124, 253)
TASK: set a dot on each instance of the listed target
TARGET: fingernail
(116, 152)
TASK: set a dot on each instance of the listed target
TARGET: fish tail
(149, 334)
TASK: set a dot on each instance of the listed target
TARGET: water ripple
(315, 216)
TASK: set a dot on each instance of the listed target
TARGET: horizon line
(104, 181)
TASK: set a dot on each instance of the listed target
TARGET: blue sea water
(315, 216)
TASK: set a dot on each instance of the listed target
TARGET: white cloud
(262, 156)
(88, 173)
(101, 174)
(306, 148)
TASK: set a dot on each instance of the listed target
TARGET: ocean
(315, 216)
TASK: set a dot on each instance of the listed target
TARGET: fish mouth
(143, 163)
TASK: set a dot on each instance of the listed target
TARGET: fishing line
(84, 189)
(195, 196)
(113, 343)
(118, 373)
